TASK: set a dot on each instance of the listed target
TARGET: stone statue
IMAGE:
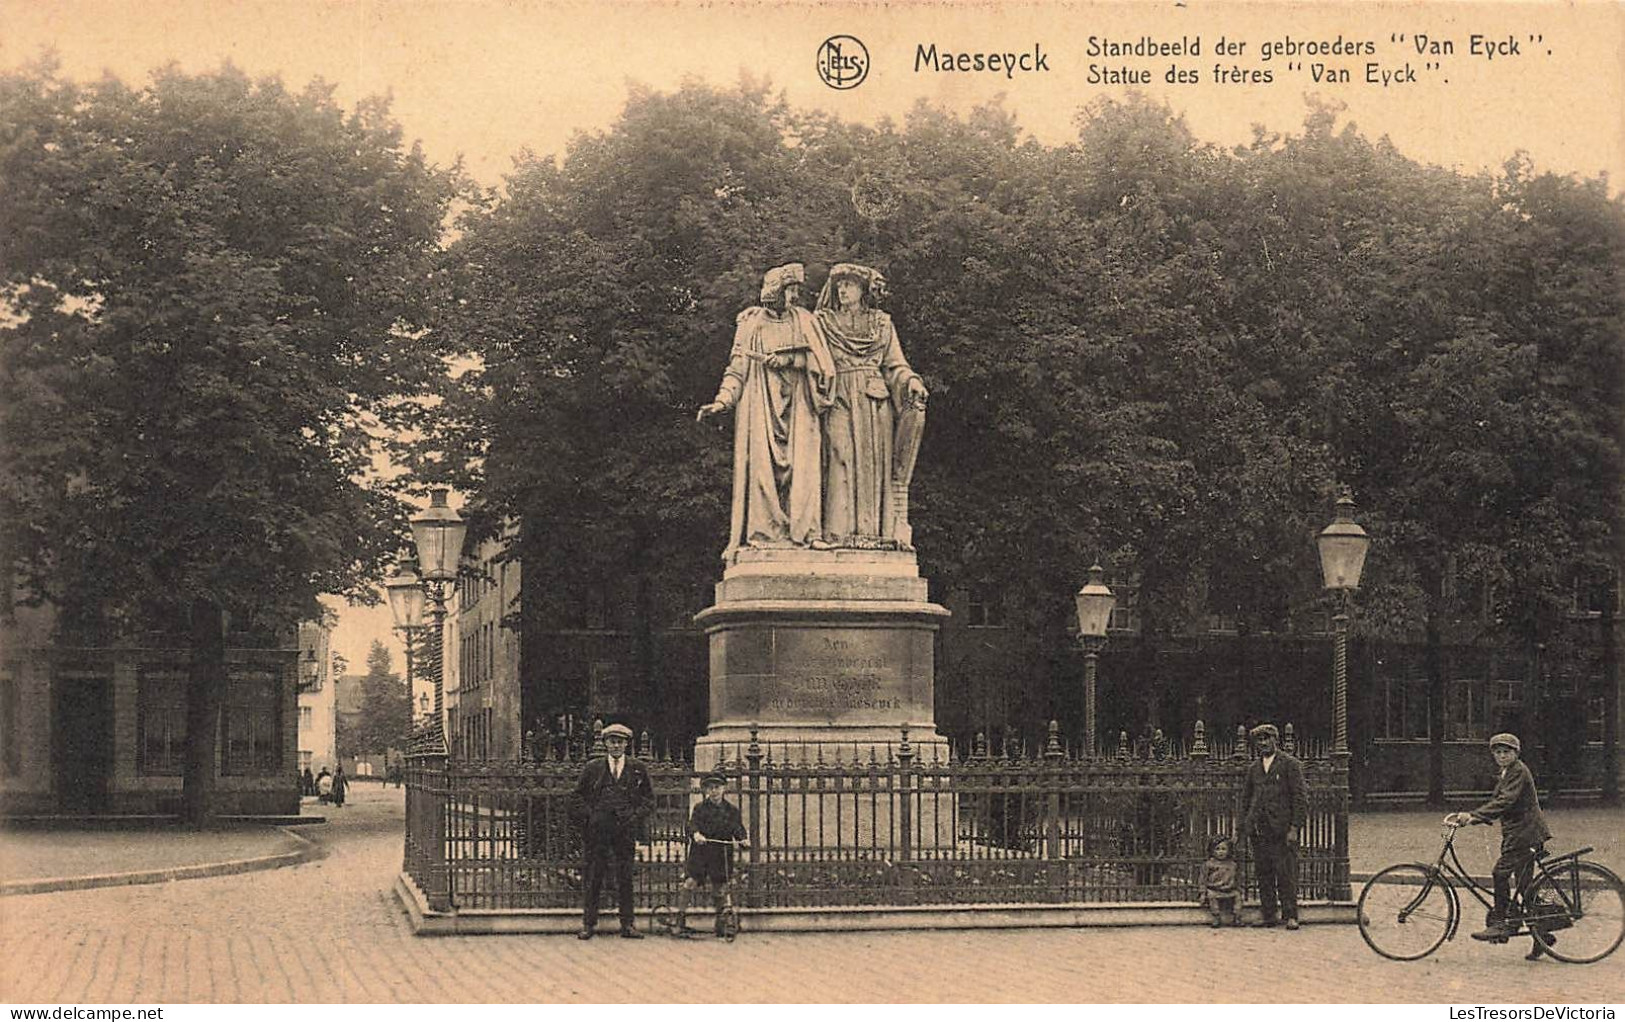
(873, 426)
(779, 380)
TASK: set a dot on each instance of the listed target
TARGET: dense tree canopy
(214, 291)
(1142, 348)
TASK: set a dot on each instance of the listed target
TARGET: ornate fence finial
(1199, 742)
(978, 749)
(1240, 751)
(905, 751)
(1289, 741)
(753, 751)
(1123, 746)
(645, 747)
(1052, 744)
(598, 747)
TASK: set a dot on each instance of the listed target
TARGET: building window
(249, 718)
(10, 753)
(306, 757)
(598, 608)
(1405, 708)
(984, 607)
(307, 719)
(1126, 611)
(1506, 703)
(161, 723)
(1467, 711)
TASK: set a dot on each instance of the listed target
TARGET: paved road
(330, 931)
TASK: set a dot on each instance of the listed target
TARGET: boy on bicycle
(714, 827)
(1523, 833)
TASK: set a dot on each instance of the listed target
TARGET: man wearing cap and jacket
(1277, 809)
(611, 800)
(1523, 832)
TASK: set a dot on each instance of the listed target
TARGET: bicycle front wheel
(1405, 912)
(1576, 910)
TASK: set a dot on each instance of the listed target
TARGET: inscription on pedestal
(822, 674)
(837, 677)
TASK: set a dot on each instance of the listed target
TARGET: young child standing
(713, 826)
(1221, 893)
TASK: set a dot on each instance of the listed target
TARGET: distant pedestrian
(339, 785)
(307, 783)
(713, 829)
(1277, 810)
(611, 800)
(1221, 892)
(324, 786)
(1523, 834)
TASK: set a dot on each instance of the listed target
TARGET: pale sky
(484, 79)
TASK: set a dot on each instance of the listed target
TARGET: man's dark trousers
(1275, 861)
(623, 851)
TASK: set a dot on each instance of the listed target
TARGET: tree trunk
(205, 678)
(1436, 724)
(1610, 696)
(657, 719)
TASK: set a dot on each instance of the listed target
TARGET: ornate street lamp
(1343, 545)
(405, 590)
(1095, 602)
(438, 533)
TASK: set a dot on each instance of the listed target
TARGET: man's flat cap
(618, 730)
(1265, 729)
(1507, 739)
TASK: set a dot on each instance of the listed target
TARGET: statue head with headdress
(777, 280)
(870, 284)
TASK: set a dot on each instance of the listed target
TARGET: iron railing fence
(900, 824)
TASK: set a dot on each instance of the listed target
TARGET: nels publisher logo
(843, 62)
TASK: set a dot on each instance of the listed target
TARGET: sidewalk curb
(308, 852)
(426, 922)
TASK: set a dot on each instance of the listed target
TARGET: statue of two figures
(827, 417)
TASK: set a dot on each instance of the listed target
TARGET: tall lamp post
(1095, 602)
(405, 591)
(438, 533)
(1343, 545)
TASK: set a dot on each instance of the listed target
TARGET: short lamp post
(1343, 545)
(438, 533)
(1095, 602)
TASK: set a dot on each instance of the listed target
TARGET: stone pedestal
(828, 655)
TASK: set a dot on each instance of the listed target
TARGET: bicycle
(1408, 910)
(666, 917)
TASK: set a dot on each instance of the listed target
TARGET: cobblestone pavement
(330, 931)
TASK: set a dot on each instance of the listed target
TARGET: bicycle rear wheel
(1405, 912)
(1576, 911)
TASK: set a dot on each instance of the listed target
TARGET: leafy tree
(386, 709)
(1141, 348)
(214, 289)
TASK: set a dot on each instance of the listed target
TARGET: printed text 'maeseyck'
(928, 58)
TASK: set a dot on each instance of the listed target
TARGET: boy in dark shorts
(713, 823)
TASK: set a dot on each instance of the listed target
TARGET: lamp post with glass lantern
(1095, 601)
(1343, 545)
(405, 590)
(437, 533)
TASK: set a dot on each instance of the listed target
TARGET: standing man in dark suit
(1277, 809)
(612, 799)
